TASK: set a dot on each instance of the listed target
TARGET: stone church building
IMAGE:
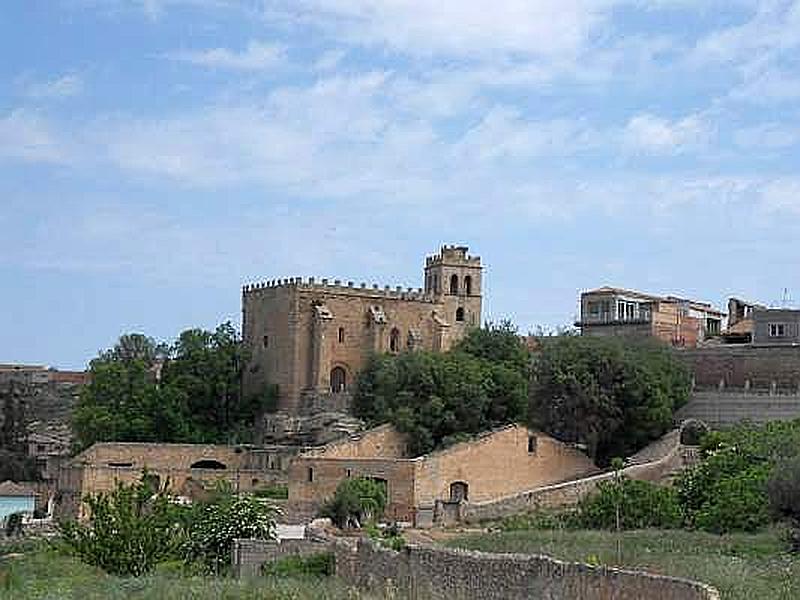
(311, 337)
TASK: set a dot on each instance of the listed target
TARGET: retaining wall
(721, 409)
(433, 573)
(249, 555)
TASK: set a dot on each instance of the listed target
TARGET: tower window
(341, 335)
(532, 444)
(310, 474)
(454, 284)
(265, 341)
(459, 314)
(394, 340)
(468, 285)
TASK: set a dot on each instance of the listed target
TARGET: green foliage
(214, 525)
(273, 492)
(436, 398)
(321, 564)
(198, 397)
(727, 491)
(388, 537)
(129, 530)
(13, 524)
(631, 504)
(17, 466)
(356, 502)
(613, 394)
(783, 489)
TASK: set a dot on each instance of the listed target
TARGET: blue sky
(157, 154)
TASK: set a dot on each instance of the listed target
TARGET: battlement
(453, 255)
(338, 287)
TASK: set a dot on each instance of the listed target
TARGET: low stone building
(434, 487)
(186, 469)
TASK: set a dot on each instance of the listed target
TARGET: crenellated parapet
(337, 286)
(453, 255)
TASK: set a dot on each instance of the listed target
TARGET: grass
(740, 566)
(43, 573)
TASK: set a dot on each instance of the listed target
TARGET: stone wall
(744, 368)
(722, 409)
(437, 573)
(570, 492)
(249, 555)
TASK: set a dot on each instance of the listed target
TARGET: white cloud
(770, 86)
(656, 135)
(460, 27)
(768, 135)
(329, 60)
(25, 135)
(61, 87)
(782, 195)
(257, 56)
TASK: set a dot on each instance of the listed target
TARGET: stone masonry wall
(744, 367)
(570, 492)
(249, 555)
(436, 573)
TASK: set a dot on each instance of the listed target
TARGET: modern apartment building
(677, 321)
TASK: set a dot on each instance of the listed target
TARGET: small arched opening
(208, 463)
(468, 285)
(341, 335)
(459, 314)
(338, 380)
(454, 284)
(459, 491)
(394, 340)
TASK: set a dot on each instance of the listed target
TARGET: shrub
(273, 492)
(215, 524)
(129, 530)
(315, 564)
(636, 504)
(783, 490)
(355, 502)
(738, 503)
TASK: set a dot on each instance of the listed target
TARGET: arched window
(394, 340)
(468, 285)
(459, 491)
(459, 314)
(341, 335)
(208, 463)
(454, 284)
(338, 380)
(436, 288)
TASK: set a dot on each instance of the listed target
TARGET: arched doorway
(454, 284)
(338, 380)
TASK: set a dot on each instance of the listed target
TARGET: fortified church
(311, 337)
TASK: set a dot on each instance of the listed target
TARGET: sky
(155, 155)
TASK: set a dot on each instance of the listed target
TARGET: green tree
(438, 398)
(614, 395)
(356, 502)
(129, 530)
(213, 526)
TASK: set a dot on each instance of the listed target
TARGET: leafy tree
(216, 523)
(356, 502)
(129, 530)
(614, 395)
(197, 397)
(437, 398)
(629, 504)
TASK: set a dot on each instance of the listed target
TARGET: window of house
(777, 330)
(454, 284)
(468, 285)
(310, 474)
(394, 340)
(532, 444)
(341, 335)
(348, 473)
(265, 341)
(459, 314)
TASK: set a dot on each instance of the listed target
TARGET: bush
(637, 505)
(14, 524)
(356, 502)
(273, 492)
(215, 524)
(783, 490)
(129, 531)
(290, 566)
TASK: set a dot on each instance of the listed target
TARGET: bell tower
(454, 278)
